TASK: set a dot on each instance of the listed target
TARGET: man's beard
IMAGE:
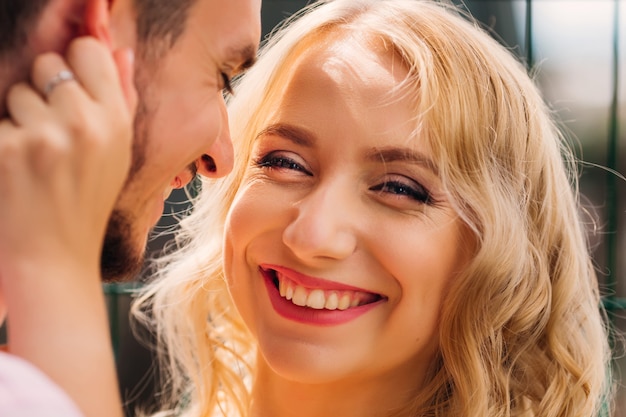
(123, 253)
(120, 260)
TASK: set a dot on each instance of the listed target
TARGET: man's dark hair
(17, 18)
(160, 23)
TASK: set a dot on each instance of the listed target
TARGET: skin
(181, 117)
(395, 236)
(54, 158)
(52, 33)
(58, 189)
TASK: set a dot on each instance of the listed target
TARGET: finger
(65, 99)
(7, 129)
(11, 153)
(25, 105)
(93, 65)
(49, 75)
(125, 61)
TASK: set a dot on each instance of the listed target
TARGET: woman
(401, 235)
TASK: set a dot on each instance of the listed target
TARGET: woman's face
(340, 243)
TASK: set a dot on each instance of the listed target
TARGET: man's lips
(179, 181)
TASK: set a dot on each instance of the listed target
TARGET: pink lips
(307, 315)
(310, 282)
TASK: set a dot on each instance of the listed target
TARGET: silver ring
(61, 77)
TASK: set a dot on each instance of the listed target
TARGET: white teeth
(299, 296)
(316, 299)
(344, 302)
(332, 302)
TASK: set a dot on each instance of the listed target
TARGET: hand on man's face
(64, 155)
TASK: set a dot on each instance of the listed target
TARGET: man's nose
(218, 160)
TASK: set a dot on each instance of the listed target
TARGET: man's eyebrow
(245, 55)
(392, 153)
(295, 134)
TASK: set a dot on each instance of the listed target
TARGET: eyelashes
(400, 189)
(226, 83)
(277, 161)
(395, 186)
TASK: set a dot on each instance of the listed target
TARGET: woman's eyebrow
(387, 154)
(293, 133)
(392, 153)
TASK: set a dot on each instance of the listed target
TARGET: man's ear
(96, 21)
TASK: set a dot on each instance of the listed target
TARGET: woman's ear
(96, 21)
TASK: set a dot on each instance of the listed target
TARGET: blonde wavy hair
(532, 341)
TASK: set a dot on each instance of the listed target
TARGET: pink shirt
(25, 391)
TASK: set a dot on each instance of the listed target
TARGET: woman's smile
(321, 302)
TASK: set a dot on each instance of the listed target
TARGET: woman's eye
(279, 161)
(414, 192)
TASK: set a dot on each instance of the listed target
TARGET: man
(59, 157)
(183, 64)
(186, 52)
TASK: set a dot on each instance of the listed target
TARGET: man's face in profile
(181, 117)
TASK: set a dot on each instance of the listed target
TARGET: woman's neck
(372, 397)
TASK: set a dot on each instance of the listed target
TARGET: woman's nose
(323, 226)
